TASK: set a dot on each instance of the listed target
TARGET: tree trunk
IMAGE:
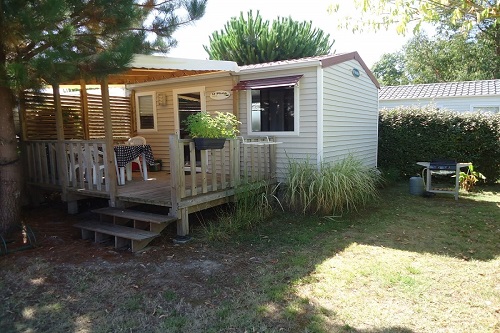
(10, 165)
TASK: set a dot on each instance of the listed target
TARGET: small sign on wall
(220, 95)
(161, 99)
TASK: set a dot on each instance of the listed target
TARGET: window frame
(176, 92)
(296, 114)
(485, 105)
(138, 113)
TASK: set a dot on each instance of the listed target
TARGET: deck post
(61, 151)
(176, 167)
(85, 109)
(183, 224)
(108, 134)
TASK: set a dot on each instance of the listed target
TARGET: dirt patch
(58, 242)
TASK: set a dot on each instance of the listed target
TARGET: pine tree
(252, 40)
(46, 42)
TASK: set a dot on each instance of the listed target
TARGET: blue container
(416, 185)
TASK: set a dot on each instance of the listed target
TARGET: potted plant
(211, 131)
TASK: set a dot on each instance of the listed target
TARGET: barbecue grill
(443, 166)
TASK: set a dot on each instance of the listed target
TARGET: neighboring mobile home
(465, 96)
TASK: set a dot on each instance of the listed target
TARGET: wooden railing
(216, 172)
(81, 167)
(219, 169)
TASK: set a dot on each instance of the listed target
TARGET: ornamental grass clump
(333, 189)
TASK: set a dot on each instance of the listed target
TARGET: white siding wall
(460, 104)
(159, 140)
(302, 146)
(350, 108)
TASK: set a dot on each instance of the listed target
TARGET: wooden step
(135, 215)
(137, 238)
(156, 222)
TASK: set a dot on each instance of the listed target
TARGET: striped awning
(282, 81)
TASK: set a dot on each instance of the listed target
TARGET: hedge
(411, 134)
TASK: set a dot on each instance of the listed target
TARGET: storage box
(156, 166)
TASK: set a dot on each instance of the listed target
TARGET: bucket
(416, 185)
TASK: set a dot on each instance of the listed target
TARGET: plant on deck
(205, 125)
(333, 189)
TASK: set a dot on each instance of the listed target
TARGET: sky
(370, 46)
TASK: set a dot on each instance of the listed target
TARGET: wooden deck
(154, 191)
(188, 188)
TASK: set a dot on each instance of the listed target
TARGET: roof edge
(338, 59)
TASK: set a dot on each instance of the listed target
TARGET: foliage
(411, 134)
(252, 40)
(254, 204)
(440, 59)
(465, 21)
(469, 178)
(333, 189)
(54, 41)
(205, 125)
(390, 69)
(463, 14)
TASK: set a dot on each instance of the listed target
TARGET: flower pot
(209, 143)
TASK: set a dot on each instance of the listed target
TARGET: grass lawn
(405, 264)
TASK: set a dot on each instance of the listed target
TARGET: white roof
(142, 61)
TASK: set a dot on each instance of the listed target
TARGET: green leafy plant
(254, 204)
(333, 189)
(469, 178)
(220, 125)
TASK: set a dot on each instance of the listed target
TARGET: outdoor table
(124, 154)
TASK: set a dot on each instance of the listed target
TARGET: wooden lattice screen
(40, 119)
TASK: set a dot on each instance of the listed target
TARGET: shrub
(333, 189)
(219, 125)
(411, 134)
(255, 202)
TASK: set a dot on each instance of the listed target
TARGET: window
(486, 108)
(273, 105)
(273, 110)
(146, 111)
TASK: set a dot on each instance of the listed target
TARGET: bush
(254, 203)
(411, 134)
(332, 190)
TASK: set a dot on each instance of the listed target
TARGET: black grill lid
(443, 164)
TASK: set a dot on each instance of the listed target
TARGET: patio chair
(81, 160)
(137, 141)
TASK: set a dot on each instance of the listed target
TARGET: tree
(475, 19)
(463, 14)
(252, 40)
(390, 69)
(440, 59)
(46, 42)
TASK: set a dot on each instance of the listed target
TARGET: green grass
(404, 264)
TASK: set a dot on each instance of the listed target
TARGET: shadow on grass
(274, 260)
(467, 229)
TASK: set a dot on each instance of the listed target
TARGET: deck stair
(128, 227)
